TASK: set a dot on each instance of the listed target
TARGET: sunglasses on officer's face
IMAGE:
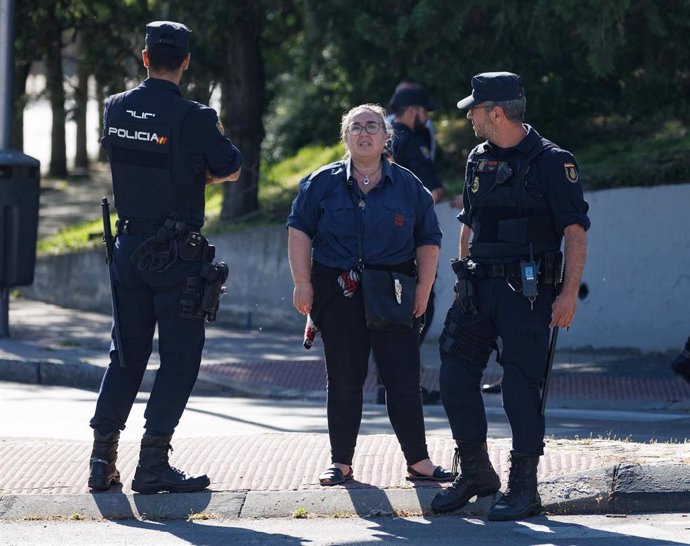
(371, 127)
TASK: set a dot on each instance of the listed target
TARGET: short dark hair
(514, 109)
(165, 58)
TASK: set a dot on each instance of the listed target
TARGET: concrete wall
(638, 274)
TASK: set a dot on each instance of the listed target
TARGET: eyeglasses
(478, 107)
(371, 127)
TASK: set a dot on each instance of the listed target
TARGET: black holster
(552, 268)
(201, 294)
(159, 252)
(214, 274)
(464, 290)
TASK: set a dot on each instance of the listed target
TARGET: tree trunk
(100, 98)
(21, 73)
(56, 93)
(243, 101)
(81, 97)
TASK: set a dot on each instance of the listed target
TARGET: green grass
(278, 184)
(654, 159)
(82, 236)
(619, 158)
(300, 513)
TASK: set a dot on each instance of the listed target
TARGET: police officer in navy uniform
(412, 147)
(522, 198)
(681, 364)
(163, 150)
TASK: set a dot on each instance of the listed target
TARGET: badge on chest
(492, 171)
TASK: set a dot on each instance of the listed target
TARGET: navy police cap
(494, 87)
(168, 33)
(412, 96)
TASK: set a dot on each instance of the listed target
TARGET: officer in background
(414, 143)
(522, 197)
(681, 364)
(163, 150)
(413, 147)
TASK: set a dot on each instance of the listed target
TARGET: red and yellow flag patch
(571, 172)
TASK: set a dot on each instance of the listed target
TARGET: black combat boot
(477, 478)
(521, 499)
(102, 471)
(155, 474)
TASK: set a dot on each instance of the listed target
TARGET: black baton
(109, 242)
(549, 366)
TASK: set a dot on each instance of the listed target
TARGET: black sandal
(440, 475)
(334, 476)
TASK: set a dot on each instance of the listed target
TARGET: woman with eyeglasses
(365, 212)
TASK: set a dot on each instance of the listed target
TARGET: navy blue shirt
(553, 177)
(411, 150)
(397, 216)
(142, 188)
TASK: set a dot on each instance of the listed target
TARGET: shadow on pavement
(161, 513)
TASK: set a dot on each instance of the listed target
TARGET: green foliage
(581, 63)
(603, 73)
(82, 236)
(283, 177)
(643, 160)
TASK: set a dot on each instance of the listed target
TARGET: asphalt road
(644, 530)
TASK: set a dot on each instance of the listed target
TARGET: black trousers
(465, 346)
(147, 299)
(347, 345)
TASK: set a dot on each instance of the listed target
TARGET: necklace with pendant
(365, 180)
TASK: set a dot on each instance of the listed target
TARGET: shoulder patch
(571, 172)
(425, 152)
(219, 126)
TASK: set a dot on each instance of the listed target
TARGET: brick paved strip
(311, 376)
(263, 462)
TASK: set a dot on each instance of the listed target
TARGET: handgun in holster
(464, 290)
(214, 274)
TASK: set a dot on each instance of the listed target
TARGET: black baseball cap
(495, 87)
(412, 96)
(168, 33)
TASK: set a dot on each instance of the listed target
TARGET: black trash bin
(20, 177)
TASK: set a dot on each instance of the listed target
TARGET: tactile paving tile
(263, 462)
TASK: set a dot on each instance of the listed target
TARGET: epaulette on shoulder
(551, 149)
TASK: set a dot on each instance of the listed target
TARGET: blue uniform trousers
(465, 346)
(144, 300)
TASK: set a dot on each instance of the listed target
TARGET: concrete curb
(67, 373)
(258, 390)
(666, 487)
(82, 375)
(118, 506)
(621, 489)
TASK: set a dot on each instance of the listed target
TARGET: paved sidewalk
(272, 475)
(53, 345)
